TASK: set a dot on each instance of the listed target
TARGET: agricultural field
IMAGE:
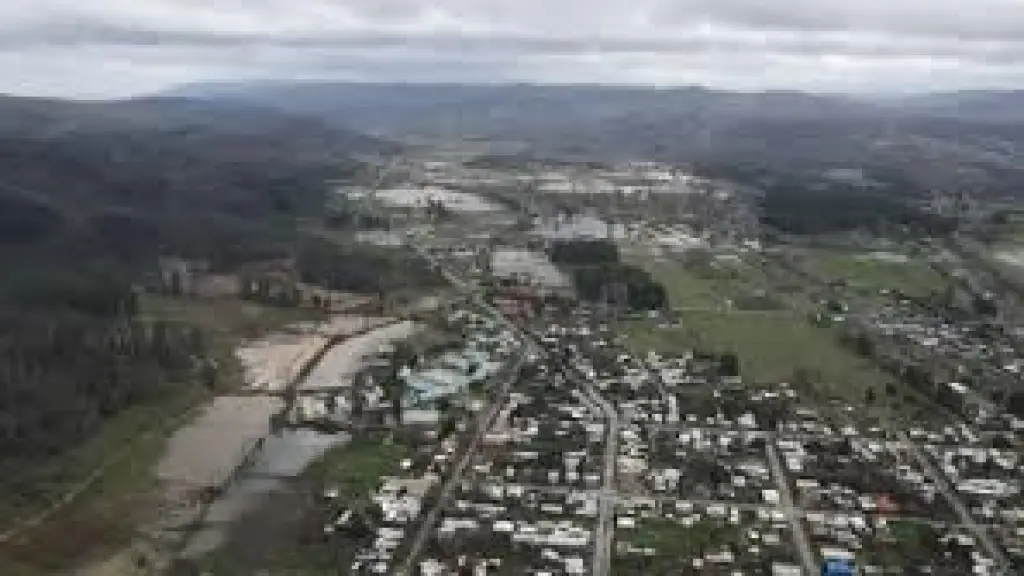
(733, 284)
(878, 271)
(773, 343)
(770, 348)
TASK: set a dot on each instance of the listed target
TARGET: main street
(484, 423)
(606, 512)
(605, 532)
(991, 548)
(786, 501)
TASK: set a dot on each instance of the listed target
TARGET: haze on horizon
(116, 48)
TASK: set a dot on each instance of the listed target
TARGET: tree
(863, 345)
(395, 387)
(729, 364)
(176, 284)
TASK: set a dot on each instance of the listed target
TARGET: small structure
(838, 567)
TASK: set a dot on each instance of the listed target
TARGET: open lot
(357, 467)
(773, 344)
(735, 283)
(770, 348)
(875, 271)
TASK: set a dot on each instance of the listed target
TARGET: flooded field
(245, 495)
(1014, 258)
(349, 325)
(342, 362)
(575, 227)
(287, 453)
(207, 451)
(452, 200)
(508, 262)
(231, 445)
(887, 257)
(282, 457)
(271, 363)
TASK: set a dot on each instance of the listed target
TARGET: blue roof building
(838, 567)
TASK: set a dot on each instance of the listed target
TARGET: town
(499, 288)
(620, 378)
(588, 369)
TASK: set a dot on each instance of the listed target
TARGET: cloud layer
(109, 48)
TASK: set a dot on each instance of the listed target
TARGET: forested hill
(91, 194)
(160, 174)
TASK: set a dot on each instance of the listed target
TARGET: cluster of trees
(78, 352)
(583, 252)
(599, 275)
(361, 269)
(803, 200)
(913, 375)
(1015, 404)
(85, 214)
(620, 284)
(797, 207)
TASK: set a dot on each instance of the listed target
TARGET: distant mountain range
(792, 130)
(507, 109)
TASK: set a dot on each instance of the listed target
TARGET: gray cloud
(117, 47)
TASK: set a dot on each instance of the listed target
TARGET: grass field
(674, 545)
(771, 347)
(686, 289)
(870, 272)
(226, 318)
(103, 517)
(307, 560)
(707, 285)
(357, 467)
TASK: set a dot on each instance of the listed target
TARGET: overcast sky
(112, 48)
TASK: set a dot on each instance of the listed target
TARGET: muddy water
(269, 471)
(343, 361)
(288, 453)
(281, 458)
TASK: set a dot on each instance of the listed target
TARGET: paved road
(991, 548)
(606, 522)
(484, 423)
(606, 516)
(803, 545)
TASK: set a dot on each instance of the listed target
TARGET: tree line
(600, 276)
